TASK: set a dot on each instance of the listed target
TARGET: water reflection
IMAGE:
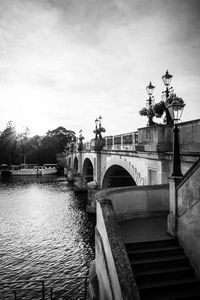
(44, 231)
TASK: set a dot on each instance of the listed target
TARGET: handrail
(193, 168)
(186, 210)
(39, 280)
(187, 175)
(42, 281)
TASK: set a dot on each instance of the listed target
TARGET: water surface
(44, 233)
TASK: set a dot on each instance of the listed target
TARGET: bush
(174, 98)
(143, 112)
(159, 109)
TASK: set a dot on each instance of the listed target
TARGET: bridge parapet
(125, 141)
(152, 138)
(159, 137)
(145, 154)
(155, 138)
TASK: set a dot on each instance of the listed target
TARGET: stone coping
(101, 194)
(189, 173)
(122, 265)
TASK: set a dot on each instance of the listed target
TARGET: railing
(188, 189)
(41, 289)
(126, 141)
(189, 173)
(116, 281)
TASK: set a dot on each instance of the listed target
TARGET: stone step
(162, 271)
(155, 252)
(158, 262)
(174, 295)
(164, 274)
(152, 244)
(158, 270)
(178, 286)
(168, 282)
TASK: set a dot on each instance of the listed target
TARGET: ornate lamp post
(100, 118)
(150, 88)
(98, 137)
(72, 144)
(167, 78)
(81, 138)
(176, 109)
(96, 129)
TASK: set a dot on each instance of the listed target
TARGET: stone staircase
(162, 271)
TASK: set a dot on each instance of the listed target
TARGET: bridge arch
(133, 168)
(75, 166)
(88, 170)
(117, 176)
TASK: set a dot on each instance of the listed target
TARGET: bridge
(138, 202)
(142, 157)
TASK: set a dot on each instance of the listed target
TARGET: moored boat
(46, 169)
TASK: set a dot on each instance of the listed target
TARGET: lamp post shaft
(96, 132)
(150, 101)
(176, 154)
(150, 117)
(167, 92)
(151, 122)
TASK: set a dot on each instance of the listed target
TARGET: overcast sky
(65, 62)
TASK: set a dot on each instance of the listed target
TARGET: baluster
(85, 292)
(43, 290)
(51, 293)
(15, 295)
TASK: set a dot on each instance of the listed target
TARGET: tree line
(18, 148)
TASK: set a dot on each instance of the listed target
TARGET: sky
(65, 62)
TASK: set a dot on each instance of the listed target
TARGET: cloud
(73, 60)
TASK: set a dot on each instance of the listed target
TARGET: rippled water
(44, 233)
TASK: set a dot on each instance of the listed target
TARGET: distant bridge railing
(126, 141)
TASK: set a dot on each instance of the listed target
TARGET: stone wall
(155, 138)
(188, 197)
(160, 137)
(115, 277)
(189, 136)
(136, 201)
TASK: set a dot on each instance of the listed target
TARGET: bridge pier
(79, 183)
(92, 190)
(70, 175)
(98, 169)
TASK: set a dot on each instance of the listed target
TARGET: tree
(34, 149)
(61, 137)
(24, 141)
(20, 148)
(55, 141)
(8, 142)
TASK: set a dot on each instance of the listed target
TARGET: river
(45, 233)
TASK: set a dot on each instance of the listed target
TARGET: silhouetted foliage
(8, 144)
(20, 148)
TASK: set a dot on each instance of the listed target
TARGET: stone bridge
(142, 157)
